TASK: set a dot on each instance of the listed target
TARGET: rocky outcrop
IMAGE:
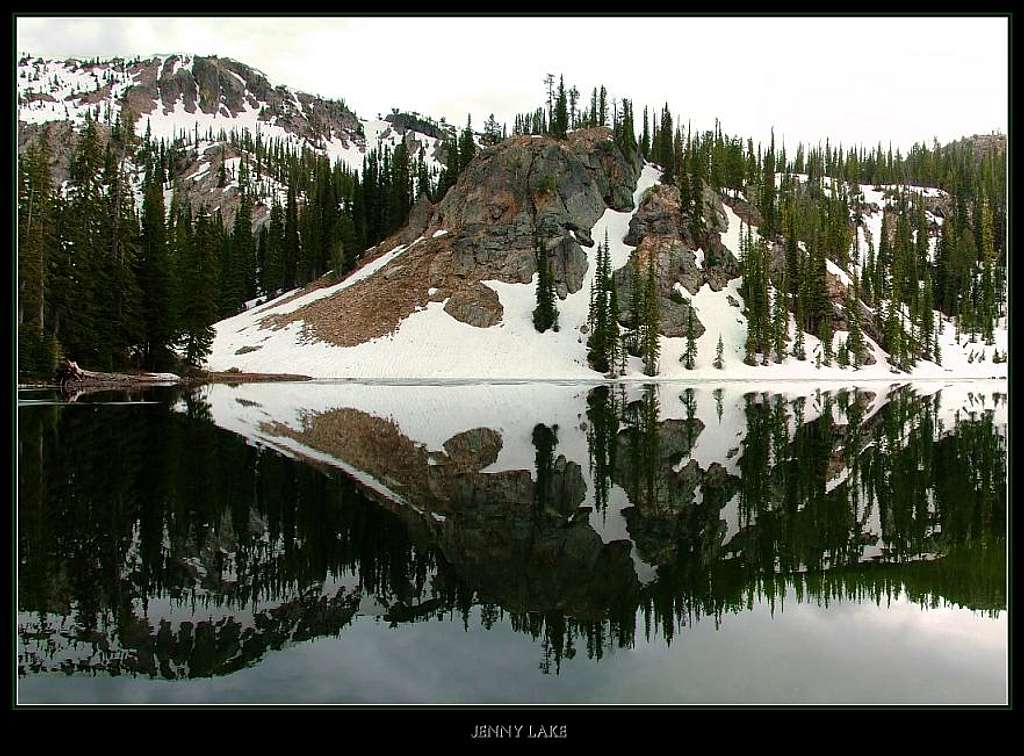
(662, 233)
(225, 87)
(745, 211)
(62, 140)
(518, 542)
(521, 194)
(473, 449)
(402, 122)
(531, 191)
(419, 219)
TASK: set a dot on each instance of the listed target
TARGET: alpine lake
(554, 543)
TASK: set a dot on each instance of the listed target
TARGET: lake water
(534, 543)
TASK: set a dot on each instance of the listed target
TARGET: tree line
(118, 282)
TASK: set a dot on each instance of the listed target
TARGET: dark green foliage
(603, 317)
(545, 315)
(689, 356)
(650, 347)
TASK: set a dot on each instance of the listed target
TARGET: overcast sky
(850, 79)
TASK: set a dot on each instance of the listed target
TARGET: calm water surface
(514, 543)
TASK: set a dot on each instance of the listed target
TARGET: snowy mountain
(197, 102)
(453, 296)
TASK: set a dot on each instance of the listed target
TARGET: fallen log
(68, 372)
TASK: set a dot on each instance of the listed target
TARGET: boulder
(477, 305)
(419, 218)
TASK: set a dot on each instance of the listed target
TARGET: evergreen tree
(273, 252)
(825, 334)
(467, 145)
(560, 116)
(855, 339)
(290, 250)
(120, 322)
(545, 315)
(645, 140)
(199, 308)
(780, 323)
(222, 176)
(651, 322)
(156, 278)
(689, 357)
(37, 253)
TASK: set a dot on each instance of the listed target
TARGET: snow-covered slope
(198, 103)
(432, 345)
(175, 95)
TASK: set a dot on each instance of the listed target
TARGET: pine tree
(120, 324)
(689, 357)
(156, 278)
(987, 312)
(645, 140)
(290, 251)
(37, 252)
(636, 309)
(602, 338)
(467, 145)
(780, 323)
(273, 252)
(199, 308)
(651, 322)
(222, 177)
(798, 340)
(614, 336)
(492, 131)
(855, 339)
(545, 315)
(719, 362)
(560, 116)
(78, 281)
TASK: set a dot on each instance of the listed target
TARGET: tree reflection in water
(153, 542)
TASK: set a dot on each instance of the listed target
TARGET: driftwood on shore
(69, 374)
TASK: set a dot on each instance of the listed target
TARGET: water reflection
(191, 535)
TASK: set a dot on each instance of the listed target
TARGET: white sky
(850, 79)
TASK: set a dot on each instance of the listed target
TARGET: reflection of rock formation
(512, 535)
(219, 546)
(690, 525)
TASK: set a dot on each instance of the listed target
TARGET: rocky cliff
(523, 194)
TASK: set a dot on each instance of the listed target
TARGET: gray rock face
(671, 263)
(402, 122)
(535, 190)
(419, 219)
(661, 231)
(746, 211)
(478, 305)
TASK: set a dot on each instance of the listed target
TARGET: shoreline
(121, 381)
(227, 378)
